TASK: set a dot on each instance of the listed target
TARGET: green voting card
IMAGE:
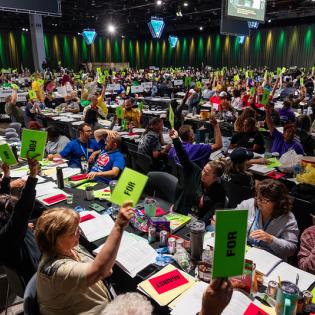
(119, 112)
(171, 117)
(33, 141)
(252, 92)
(7, 155)
(32, 94)
(129, 187)
(265, 97)
(230, 243)
(188, 81)
(301, 81)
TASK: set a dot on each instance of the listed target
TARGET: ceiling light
(159, 2)
(201, 28)
(269, 21)
(111, 28)
(179, 13)
(185, 4)
(123, 36)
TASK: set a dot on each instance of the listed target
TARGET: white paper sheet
(45, 189)
(96, 228)
(67, 172)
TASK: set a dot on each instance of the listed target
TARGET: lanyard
(257, 219)
(87, 150)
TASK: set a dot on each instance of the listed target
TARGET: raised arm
(274, 88)
(105, 260)
(14, 96)
(269, 121)
(99, 134)
(217, 134)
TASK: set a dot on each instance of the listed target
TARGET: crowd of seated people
(70, 279)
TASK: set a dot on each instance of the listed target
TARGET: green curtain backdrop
(287, 46)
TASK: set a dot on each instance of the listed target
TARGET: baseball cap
(240, 155)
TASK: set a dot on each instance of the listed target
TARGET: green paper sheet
(14, 86)
(102, 194)
(302, 81)
(265, 97)
(140, 106)
(279, 71)
(273, 163)
(32, 94)
(129, 187)
(230, 243)
(7, 155)
(33, 141)
(188, 81)
(171, 116)
(85, 103)
(86, 185)
(252, 91)
(119, 112)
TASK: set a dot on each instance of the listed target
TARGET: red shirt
(216, 101)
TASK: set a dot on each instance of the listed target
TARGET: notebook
(177, 221)
(260, 169)
(95, 226)
(265, 262)
(166, 285)
(287, 272)
(134, 254)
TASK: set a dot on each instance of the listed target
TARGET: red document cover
(54, 199)
(252, 309)
(86, 218)
(168, 281)
(76, 178)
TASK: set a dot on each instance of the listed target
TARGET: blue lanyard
(87, 150)
(257, 219)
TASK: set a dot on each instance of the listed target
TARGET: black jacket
(19, 250)
(192, 192)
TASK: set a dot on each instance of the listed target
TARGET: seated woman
(227, 112)
(201, 191)
(271, 224)
(69, 280)
(56, 142)
(239, 123)
(282, 143)
(236, 177)
(91, 118)
(18, 246)
(152, 141)
(250, 138)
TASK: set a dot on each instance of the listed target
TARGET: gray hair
(129, 304)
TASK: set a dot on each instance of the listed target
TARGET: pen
(279, 281)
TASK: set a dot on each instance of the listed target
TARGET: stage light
(159, 2)
(89, 36)
(201, 28)
(253, 24)
(156, 27)
(173, 41)
(185, 4)
(123, 36)
(241, 39)
(269, 21)
(111, 28)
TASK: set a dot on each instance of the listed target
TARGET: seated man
(81, 149)
(131, 114)
(98, 104)
(110, 161)
(282, 143)
(306, 255)
(197, 153)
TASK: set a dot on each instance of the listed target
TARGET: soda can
(179, 243)
(151, 234)
(171, 245)
(307, 296)
(272, 289)
(163, 238)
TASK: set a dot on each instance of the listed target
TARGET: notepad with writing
(166, 285)
(265, 261)
(95, 226)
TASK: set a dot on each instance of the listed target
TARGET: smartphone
(148, 271)
(96, 207)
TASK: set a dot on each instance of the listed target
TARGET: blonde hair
(53, 223)
(218, 165)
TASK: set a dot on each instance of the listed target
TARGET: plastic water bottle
(194, 111)
(309, 110)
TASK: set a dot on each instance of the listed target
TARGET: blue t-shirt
(74, 150)
(106, 161)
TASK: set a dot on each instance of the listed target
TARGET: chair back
(303, 210)
(143, 163)
(17, 126)
(162, 185)
(15, 281)
(30, 304)
(235, 193)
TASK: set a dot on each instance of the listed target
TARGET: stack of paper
(167, 285)
(177, 220)
(265, 262)
(95, 226)
(45, 189)
(260, 169)
(134, 254)
(19, 172)
(287, 272)
(189, 303)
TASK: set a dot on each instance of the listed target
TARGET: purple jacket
(197, 153)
